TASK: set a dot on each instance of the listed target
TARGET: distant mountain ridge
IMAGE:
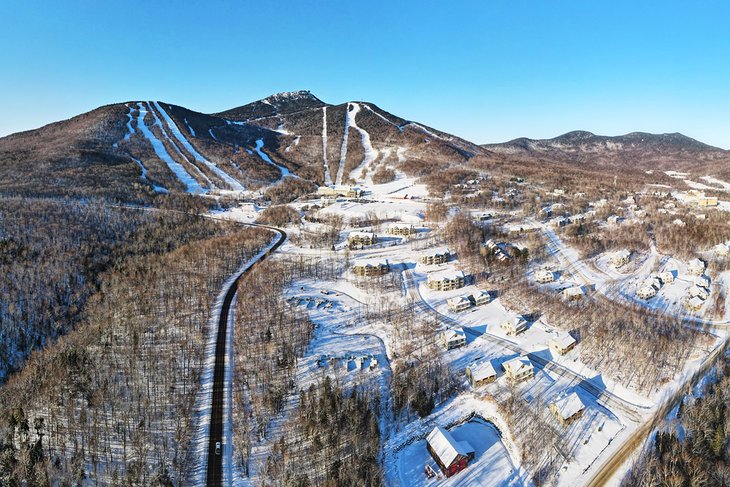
(140, 149)
(639, 150)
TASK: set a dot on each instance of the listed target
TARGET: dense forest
(112, 400)
(695, 449)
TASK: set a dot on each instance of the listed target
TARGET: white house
(703, 282)
(567, 409)
(698, 292)
(722, 250)
(646, 292)
(459, 303)
(519, 369)
(452, 338)
(481, 373)
(668, 276)
(514, 326)
(694, 304)
(562, 344)
(696, 267)
(620, 258)
(543, 276)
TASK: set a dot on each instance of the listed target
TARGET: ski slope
(327, 175)
(260, 145)
(343, 150)
(370, 153)
(232, 183)
(191, 185)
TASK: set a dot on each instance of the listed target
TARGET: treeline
(52, 253)
(333, 441)
(112, 402)
(696, 450)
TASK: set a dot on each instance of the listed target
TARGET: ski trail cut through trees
(343, 150)
(130, 130)
(192, 186)
(197, 170)
(175, 130)
(327, 175)
(260, 145)
(370, 153)
(400, 129)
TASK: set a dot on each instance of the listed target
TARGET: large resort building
(400, 229)
(371, 267)
(446, 280)
(436, 256)
(344, 191)
(361, 239)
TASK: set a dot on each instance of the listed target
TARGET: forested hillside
(113, 399)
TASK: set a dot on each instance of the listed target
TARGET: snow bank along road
(214, 471)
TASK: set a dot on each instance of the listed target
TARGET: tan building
(567, 409)
(435, 256)
(646, 292)
(514, 326)
(562, 344)
(446, 281)
(371, 267)
(519, 369)
(694, 304)
(459, 303)
(357, 239)
(401, 229)
(345, 191)
(573, 293)
(452, 338)
(481, 373)
(668, 277)
(480, 298)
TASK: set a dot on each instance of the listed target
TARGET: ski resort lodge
(450, 455)
(371, 267)
(344, 191)
(446, 280)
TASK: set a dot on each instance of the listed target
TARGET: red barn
(450, 455)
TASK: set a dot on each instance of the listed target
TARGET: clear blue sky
(488, 71)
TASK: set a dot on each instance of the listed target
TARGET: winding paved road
(214, 471)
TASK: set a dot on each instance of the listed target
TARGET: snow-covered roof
(482, 370)
(564, 340)
(479, 294)
(696, 302)
(573, 291)
(703, 281)
(517, 365)
(446, 274)
(621, 254)
(438, 251)
(446, 447)
(372, 261)
(569, 405)
(458, 300)
(647, 291)
(454, 334)
(696, 291)
(696, 263)
(361, 234)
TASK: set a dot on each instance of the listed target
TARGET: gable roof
(517, 365)
(569, 405)
(446, 447)
(482, 370)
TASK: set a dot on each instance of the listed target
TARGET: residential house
(696, 267)
(459, 303)
(450, 455)
(722, 249)
(563, 343)
(620, 258)
(480, 298)
(646, 292)
(519, 369)
(694, 304)
(452, 338)
(567, 409)
(514, 326)
(573, 293)
(668, 276)
(703, 282)
(544, 276)
(699, 292)
(446, 280)
(481, 373)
